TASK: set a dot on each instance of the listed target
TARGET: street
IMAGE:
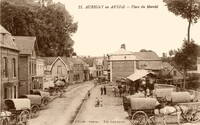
(62, 110)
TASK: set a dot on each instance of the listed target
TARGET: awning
(139, 74)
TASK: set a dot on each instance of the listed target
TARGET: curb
(80, 106)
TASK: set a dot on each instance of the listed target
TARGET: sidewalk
(111, 113)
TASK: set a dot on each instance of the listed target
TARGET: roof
(167, 65)
(6, 39)
(99, 61)
(146, 56)
(50, 60)
(25, 44)
(122, 51)
(138, 74)
(154, 65)
(74, 61)
(89, 61)
(3, 30)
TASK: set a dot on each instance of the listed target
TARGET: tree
(187, 9)
(186, 57)
(144, 50)
(52, 25)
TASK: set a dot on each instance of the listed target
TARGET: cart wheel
(3, 121)
(45, 103)
(24, 116)
(35, 111)
(140, 118)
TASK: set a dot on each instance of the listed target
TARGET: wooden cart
(44, 95)
(16, 111)
(141, 109)
(36, 104)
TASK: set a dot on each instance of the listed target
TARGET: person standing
(104, 89)
(101, 90)
(101, 102)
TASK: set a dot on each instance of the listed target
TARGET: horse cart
(185, 105)
(141, 109)
(45, 97)
(16, 111)
(36, 104)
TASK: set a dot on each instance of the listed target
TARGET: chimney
(123, 46)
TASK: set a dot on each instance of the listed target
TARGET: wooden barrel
(180, 97)
(142, 103)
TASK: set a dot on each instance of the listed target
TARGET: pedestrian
(97, 102)
(101, 90)
(88, 93)
(104, 89)
(114, 91)
(101, 102)
(120, 92)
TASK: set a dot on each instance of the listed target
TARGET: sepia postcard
(100, 62)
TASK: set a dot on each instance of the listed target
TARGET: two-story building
(27, 62)
(9, 56)
(78, 70)
(122, 63)
(58, 67)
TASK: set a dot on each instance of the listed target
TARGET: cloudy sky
(102, 31)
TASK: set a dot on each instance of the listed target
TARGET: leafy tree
(186, 57)
(187, 9)
(52, 25)
(144, 50)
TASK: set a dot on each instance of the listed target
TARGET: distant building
(27, 63)
(174, 73)
(38, 79)
(9, 57)
(121, 63)
(91, 66)
(78, 70)
(148, 61)
(58, 67)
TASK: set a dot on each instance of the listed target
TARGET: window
(14, 67)
(175, 73)
(5, 68)
(29, 67)
(15, 91)
(5, 93)
(59, 69)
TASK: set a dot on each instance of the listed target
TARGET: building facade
(122, 63)
(27, 63)
(9, 56)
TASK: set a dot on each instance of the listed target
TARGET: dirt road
(62, 110)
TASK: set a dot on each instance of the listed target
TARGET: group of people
(145, 85)
(103, 90)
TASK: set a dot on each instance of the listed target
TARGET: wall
(10, 83)
(122, 69)
(54, 68)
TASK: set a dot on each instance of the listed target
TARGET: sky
(102, 31)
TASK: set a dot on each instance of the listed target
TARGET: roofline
(9, 48)
(61, 61)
